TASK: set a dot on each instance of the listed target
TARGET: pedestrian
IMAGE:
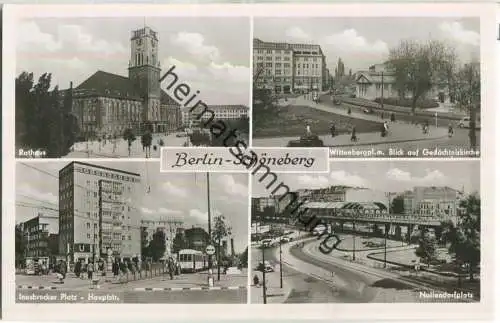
(393, 117)
(386, 128)
(353, 134)
(90, 270)
(349, 111)
(450, 130)
(332, 129)
(256, 280)
(78, 268)
(308, 129)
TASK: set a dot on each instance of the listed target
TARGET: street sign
(210, 250)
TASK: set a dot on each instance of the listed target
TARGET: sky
(172, 196)
(388, 176)
(211, 55)
(362, 42)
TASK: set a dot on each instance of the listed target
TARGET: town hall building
(106, 104)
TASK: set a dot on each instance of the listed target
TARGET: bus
(192, 260)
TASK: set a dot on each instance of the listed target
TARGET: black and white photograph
(122, 232)
(390, 232)
(368, 87)
(124, 87)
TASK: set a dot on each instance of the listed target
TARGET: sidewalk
(274, 294)
(188, 281)
(398, 131)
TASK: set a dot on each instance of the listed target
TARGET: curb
(36, 287)
(178, 289)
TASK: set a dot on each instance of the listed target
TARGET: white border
(136, 312)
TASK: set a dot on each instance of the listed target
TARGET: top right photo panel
(369, 86)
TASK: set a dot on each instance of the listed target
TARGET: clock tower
(144, 71)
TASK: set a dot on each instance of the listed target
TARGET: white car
(465, 123)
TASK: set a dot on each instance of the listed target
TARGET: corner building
(97, 218)
(289, 68)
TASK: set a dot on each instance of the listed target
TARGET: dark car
(306, 141)
(336, 102)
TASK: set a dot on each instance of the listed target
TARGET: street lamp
(353, 238)
(281, 266)
(264, 296)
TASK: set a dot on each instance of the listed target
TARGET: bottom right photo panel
(368, 232)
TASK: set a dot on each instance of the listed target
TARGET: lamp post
(281, 267)
(353, 238)
(209, 221)
(387, 226)
(264, 295)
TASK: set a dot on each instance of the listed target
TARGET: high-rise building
(289, 68)
(97, 217)
(40, 232)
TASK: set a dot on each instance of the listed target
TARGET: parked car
(465, 123)
(368, 110)
(306, 141)
(265, 266)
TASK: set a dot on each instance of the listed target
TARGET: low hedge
(421, 103)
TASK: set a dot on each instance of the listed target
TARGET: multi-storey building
(220, 112)
(169, 227)
(106, 104)
(289, 68)
(436, 202)
(40, 232)
(97, 217)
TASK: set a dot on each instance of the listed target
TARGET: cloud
(73, 38)
(343, 178)
(194, 45)
(30, 36)
(458, 33)
(431, 177)
(229, 72)
(174, 190)
(351, 42)
(297, 33)
(231, 187)
(308, 181)
(33, 195)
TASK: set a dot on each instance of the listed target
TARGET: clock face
(139, 42)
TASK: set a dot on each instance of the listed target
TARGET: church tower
(144, 70)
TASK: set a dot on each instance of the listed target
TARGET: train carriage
(192, 260)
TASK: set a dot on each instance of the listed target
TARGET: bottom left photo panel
(123, 232)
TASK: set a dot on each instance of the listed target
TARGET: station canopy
(347, 205)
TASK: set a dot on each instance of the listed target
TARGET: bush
(421, 103)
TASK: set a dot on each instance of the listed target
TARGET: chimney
(232, 247)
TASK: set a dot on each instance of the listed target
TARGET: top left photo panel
(123, 87)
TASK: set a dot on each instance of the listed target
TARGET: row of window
(276, 51)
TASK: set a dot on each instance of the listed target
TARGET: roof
(376, 77)
(167, 99)
(110, 85)
(346, 205)
(114, 85)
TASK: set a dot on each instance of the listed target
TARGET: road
(314, 277)
(188, 297)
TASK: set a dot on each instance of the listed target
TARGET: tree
(44, 118)
(129, 137)
(398, 205)
(20, 245)
(220, 230)
(427, 246)
(419, 66)
(179, 243)
(469, 95)
(146, 141)
(465, 235)
(157, 245)
(244, 258)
